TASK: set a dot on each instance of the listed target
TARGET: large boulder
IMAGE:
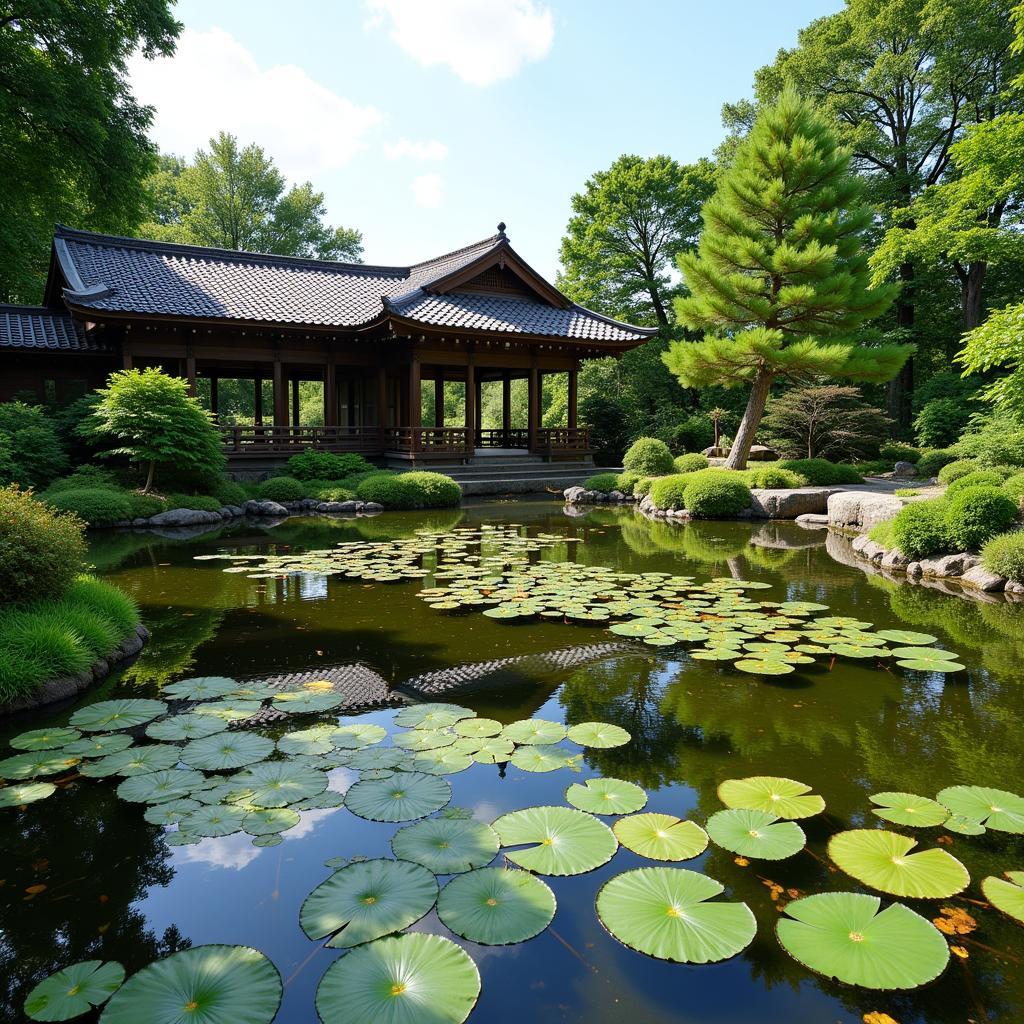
(762, 453)
(948, 565)
(184, 517)
(264, 508)
(772, 503)
(980, 578)
(572, 494)
(338, 506)
(904, 469)
(860, 510)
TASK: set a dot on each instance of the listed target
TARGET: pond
(85, 876)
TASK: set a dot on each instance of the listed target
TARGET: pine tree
(780, 284)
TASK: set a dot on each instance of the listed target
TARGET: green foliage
(906, 492)
(882, 533)
(940, 422)
(198, 502)
(919, 529)
(669, 492)
(330, 490)
(602, 482)
(716, 494)
(73, 139)
(33, 453)
(281, 488)
(956, 469)
(976, 514)
(411, 490)
(1014, 486)
(998, 441)
(896, 451)
(643, 486)
(232, 198)
(648, 455)
(144, 505)
(695, 433)
(95, 506)
(41, 551)
(774, 476)
(157, 423)
(821, 472)
(1004, 555)
(689, 462)
(228, 492)
(317, 465)
(977, 478)
(626, 481)
(85, 476)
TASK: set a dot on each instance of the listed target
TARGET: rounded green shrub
(956, 469)
(41, 550)
(933, 460)
(1014, 486)
(144, 505)
(95, 506)
(317, 465)
(626, 481)
(418, 489)
(668, 492)
(281, 488)
(976, 514)
(642, 487)
(977, 478)
(648, 455)
(716, 494)
(85, 476)
(690, 462)
(897, 451)
(198, 502)
(773, 476)
(327, 490)
(822, 473)
(919, 529)
(602, 482)
(1004, 555)
(231, 493)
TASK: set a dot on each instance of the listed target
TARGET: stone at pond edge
(788, 503)
(860, 510)
(980, 578)
(264, 508)
(184, 517)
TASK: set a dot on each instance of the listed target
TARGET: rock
(762, 453)
(139, 521)
(860, 510)
(812, 520)
(914, 570)
(233, 510)
(945, 565)
(788, 503)
(572, 494)
(980, 578)
(1014, 588)
(904, 469)
(371, 507)
(646, 505)
(859, 541)
(894, 559)
(264, 508)
(616, 496)
(713, 453)
(184, 517)
(336, 506)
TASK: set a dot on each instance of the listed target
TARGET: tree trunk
(759, 392)
(971, 295)
(149, 476)
(902, 385)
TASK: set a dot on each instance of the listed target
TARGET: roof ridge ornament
(501, 229)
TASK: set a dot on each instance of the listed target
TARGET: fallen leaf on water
(742, 861)
(774, 889)
(877, 1017)
(35, 890)
(959, 951)
(945, 840)
(103, 928)
(954, 921)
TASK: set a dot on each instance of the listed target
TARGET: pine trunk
(759, 392)
(149, 476)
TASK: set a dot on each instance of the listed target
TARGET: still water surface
(115, 890)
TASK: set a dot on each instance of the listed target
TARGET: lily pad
(492, 751)
(279, 783)
(367, 900)
(74, 990)
(446, 846)
(224, 751)
(496, 906)
(843, 936)
(671, 914)
(996, 809)
(25, 793)
(661, 836)
(185, 727)
(34, 763)
(763, 666)
(200, 688)
(358, 735)
(537, 758)
(477, 728)
(265, 821)
(600, 735)
(441, 761)
(755, 834)
(229, 710)
(109, 715)
(404, 796)
(423, 739)
(134, 761)
(304, 702)
(785, 798)
(534, 730)
(883, 860)
(156, 787)
(203, 985)
(307, 741)
(171, 812)
(431, 716)
(561, 841)
(906, 636)
(99, 745)
(908, 809)
(213, 821)
(409, 979)
(45, 739)
(1006, 894)
(606, 796)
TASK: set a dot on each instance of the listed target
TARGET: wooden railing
(246, 440)
(552, 440)
(429, 442)
(514, 438)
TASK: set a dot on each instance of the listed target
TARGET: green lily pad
(537, 758)
(423, 739)
(117, 714)
(224, 751)
(200, 688)
(996, 809)
(34, 763)
(201, 985)
(409, 979)
(134, 761)
(926, 659)
(600, 735)
(268, 840)
(763, 666)
(922, 665)
(842, 935)
(908, 809)
(963, 826)
(279, 783)
(265, 821)
(755, 834)
(1006, 894)
(185, 727)
(606, 796)
(171, 812)
(25, 793)
(180, 838)
(534, 730)
(906, 636)
(74, 990)
(306, 702)
(367, 900)
(883, 861)
(441, 761)
(670, 913)
(404, 796)
(431, 716)
(99, 745)
(446, 846)
(358, 735)
(229, 710)
(213, 821)
(156, 787)
(492, 751)
(661, 836)
(784, 798)
(316, 740)
(45, 739)
(477, 728)
(496, 906)
(561, 841)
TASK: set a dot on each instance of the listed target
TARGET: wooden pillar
(415, 394)
(479, 405)
(572, 399)
(353, 420)
(506, 404)
(126, 358)
(295, 401)
(280, 395)
(257, 403)
(470, 405)
(190, 370)
(213, 393)
(330, 394)
(533, 407)
(439, 399)
(382, 396)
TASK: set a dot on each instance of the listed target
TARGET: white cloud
(428, 190)
(213, 83)
(482, 41)
(431, 149)
(234, 851)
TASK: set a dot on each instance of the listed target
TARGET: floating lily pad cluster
(512, 577)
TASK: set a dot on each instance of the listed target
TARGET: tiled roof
(124, 275)
(36, 327)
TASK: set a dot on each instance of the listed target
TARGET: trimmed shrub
(1004, 555)
(95, 506)
(281, 488)
(897, 451)
(87, 477)
(145, 505)
(417, 489)
(317, 465)
(822, 473)
(649, 456)
(626, 481)
(199, 502)
(353, 480)
(41, 551)
(602, 482)
(668, 492)
(716, 494)
(773, 476)
(976, 514)
(690, 462)
(919, 529)
(328, 491)
(1014, 486)
(977, 478)
(933, 460)
(231, 493)
(643, 486)
(956, 469)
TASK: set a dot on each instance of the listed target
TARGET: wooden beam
(572, 398)
(479, 405)
(382, 396)
(190, 370)
(330, 393)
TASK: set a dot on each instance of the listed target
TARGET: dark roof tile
(40, 328)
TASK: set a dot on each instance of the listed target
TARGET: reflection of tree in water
(96, 858)
(174, 640)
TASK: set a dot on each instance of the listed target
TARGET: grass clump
(906, 492)
(821, 472)
(882, 533)
(649, 456)
(418, 489)
(690, 462)
(1004, 555)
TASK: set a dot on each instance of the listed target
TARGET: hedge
(199, 502)
(773, 476)
(95, 506)
(716, 494)
(417, 489)
(954, 470)
(821, 472)
(1004, 555)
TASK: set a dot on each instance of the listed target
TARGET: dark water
(114, 890)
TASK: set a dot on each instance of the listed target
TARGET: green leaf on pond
(213, 821)
(446, 846)
(763, 666)
(441, 761)
(996, 809)
(431, 716)
(25, 793)
(74, 990)
(536, 758)
(404, 796)
(661, 836)
(125, 713)
(496, 906)
(306, 702)
(156, 787)
(908, 809)
(34, 763)
(423, 739)
(224, 751)
(600, 735)
(229, 710)
(561, 841)
(784, 798)
(534, 730)
(906, 636)
(265, 821)
(99, 745)
(200, 688)
(755, 834)
(606, 796)
(477, 728)
(358, 736)
(185, 727)
(1006, 894)
(45, 739)
(279, 783)
(134, 761)
(171, 812)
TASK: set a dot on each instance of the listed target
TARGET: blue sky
(425, 122)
